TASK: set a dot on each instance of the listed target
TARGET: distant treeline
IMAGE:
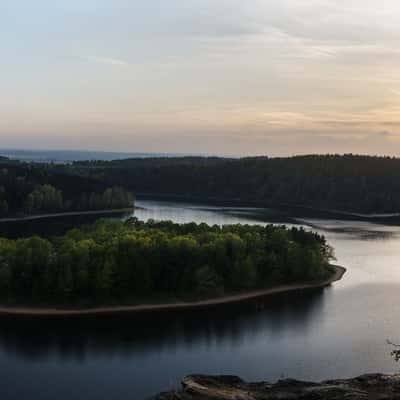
(27, 189)
(347, 183)
(122, 262)
(46, 198)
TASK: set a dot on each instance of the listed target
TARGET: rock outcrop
(366, 387)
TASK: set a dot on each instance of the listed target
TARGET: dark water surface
(336, 332)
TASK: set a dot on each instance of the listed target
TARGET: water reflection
(335, 332)
(353, 230)
(78, 338)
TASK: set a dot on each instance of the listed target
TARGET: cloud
(108, 61)
(308, 73)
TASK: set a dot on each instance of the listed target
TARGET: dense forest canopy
(27, 189)
(120, 262)
(331, 182)
(348, 183)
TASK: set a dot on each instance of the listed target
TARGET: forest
(351, 183)
(114, 262)
(27, 189)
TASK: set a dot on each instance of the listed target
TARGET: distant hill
(353, 183)
(346, 183)
(68, 156)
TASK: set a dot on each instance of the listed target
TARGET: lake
(339, 331)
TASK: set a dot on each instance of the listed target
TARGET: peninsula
(134, 266)
(142, 308)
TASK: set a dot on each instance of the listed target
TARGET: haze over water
(336, 332)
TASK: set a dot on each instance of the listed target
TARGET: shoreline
(142, 308)
(294, 211)
(228, 387)
(67, 214)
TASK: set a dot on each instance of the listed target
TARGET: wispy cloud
(108, 61)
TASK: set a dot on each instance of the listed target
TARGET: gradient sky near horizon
(231, 77)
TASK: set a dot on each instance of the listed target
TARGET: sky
(229, 77)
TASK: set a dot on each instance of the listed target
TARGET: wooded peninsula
(32, 189)
(116, 263)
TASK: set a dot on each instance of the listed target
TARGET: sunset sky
(201, 76)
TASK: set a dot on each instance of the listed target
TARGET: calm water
(335, 332)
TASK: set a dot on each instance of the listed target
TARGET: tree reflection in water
(127, 335)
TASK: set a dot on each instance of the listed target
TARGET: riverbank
(67, 214)
(290, 212)
(201, 387)
(142, 308)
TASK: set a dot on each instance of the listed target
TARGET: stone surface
(365, 387)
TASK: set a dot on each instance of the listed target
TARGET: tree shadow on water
(36, 338)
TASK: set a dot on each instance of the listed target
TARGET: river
(339, 331)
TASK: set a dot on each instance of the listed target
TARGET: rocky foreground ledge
(200, 387)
